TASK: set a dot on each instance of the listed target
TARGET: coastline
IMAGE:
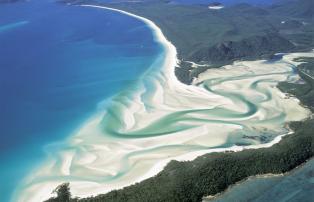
(171, 59)
(169, 65)
(253, 178)
(93, 121)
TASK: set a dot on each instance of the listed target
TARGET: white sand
(100, 157)
(215, 7)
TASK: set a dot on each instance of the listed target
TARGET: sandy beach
(161, 119)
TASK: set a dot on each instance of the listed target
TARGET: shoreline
(171, 61)
(172, 57)
(256, 177)
(171, 54)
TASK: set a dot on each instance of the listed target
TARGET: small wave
(7, 27)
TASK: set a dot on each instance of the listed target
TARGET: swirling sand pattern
(160, 119)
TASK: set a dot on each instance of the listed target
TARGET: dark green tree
(63, 192)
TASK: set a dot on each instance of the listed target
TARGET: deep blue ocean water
(57, 63)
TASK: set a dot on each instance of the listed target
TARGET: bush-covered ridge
(213, 173)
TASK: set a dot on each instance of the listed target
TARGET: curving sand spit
(161, 119)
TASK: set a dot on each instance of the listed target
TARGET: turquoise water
(62, 64)
(57, 64)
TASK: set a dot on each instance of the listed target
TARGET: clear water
(57, 63)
